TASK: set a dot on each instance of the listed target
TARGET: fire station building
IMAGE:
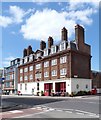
(62, 67)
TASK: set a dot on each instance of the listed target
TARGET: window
(63, 59)
(7, 84)
(20, 86)
(25, 86)
(63, 71)
(54, 62)
(21, 61)
(21, 78)
(54, 73)
(46, 52)
(38, 75)
(21, 71)
(46, 74)
(31, 58)
(25, 78)
(62, 46)
(38, 66)
(26, 69)
(30, 68)
(46, 64)
(53, 49)
(31, 77)
(38, 55)
(25, 59)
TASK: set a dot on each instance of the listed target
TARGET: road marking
(33, 108)
(59, 110)
(16, 111)
(68, 111)
(38, 107)
(80, 113)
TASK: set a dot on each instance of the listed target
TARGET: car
(19, 93)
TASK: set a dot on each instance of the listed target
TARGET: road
(36, 107)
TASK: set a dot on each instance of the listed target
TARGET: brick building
(65, 67)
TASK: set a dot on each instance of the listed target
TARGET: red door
(47, 88)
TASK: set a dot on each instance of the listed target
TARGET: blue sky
(26, 23)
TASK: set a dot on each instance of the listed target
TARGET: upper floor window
(30, 68)
(38, 75)
(25, 59)
(38, 66)
(31, 58)
(21, 70)
(54, 73)
(63, 59)
(63, 46)
(26, 69)
(46, 64)
(25, 77)
(54, 62)
(45, 52)
(31, 77)
(46, 74)
(21, 78)
(63, 71)
(53, 49)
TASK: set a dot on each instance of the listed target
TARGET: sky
(27, 23)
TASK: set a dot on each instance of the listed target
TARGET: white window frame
(21, 70)
(54, 73)
(46, 64)
(38, 75)
(21, 78)
(26, 69)
(31, 77)
(63, 71)
(62, 45)
(46, 52)
(38, 66)
(63, 59)
(53, 48)
(54, 62)
(31, 68)
(30, 57)
(46, 74)
(25, 77)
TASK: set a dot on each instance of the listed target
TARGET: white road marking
(16, 111)
(33, 108)
(59, 110)
(68, 111)
(38, 107)
(80, 113)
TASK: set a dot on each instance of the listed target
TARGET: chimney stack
(79, 36)
(50, 42)
(42, 45)
(29, 50)
(24, 52)
(64, 36)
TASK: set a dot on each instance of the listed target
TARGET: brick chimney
(64, 34)
(50, 42)
(29, 50)
(42, 45)
(24, 52)
(79, 36)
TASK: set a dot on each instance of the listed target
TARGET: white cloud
(50, 22)
(5, 21)
(6, 61)
(17, 14)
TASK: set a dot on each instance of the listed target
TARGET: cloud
(6, 61)
(5, 21)
(50, 22)
(17, 14)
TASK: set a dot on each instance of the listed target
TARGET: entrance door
(47, 88)
(60, 87)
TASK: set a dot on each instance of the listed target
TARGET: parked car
(19, 93)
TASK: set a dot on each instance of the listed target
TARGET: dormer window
(53, 49)
(46, 52)
(21, 61)
(31, 58)
(25, 59)
(38, 55)
(63, 46)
